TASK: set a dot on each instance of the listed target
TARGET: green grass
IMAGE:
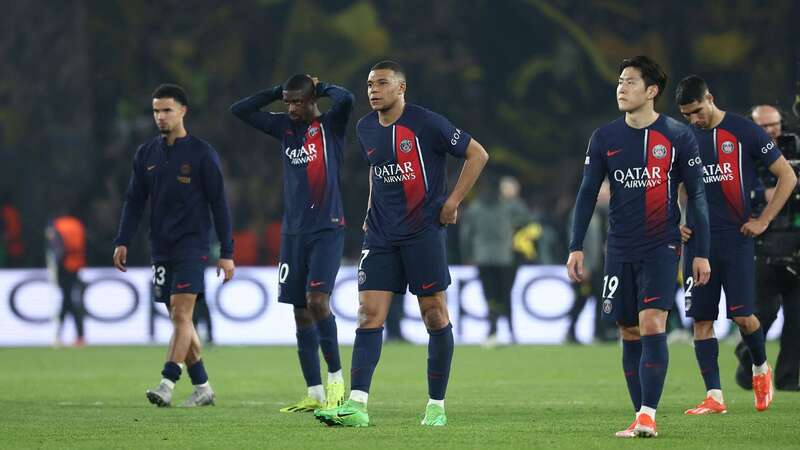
(515, 397)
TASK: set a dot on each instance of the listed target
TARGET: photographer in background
(777, 264)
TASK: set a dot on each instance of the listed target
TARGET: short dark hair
(690, 89)
(652, 73)
(388, 64)
(172, 91)
(299, 82)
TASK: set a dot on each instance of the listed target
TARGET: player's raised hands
(226, 265)
(701, 270)
(575, 266)
(449, 213)
(686, 233)
(121, 257)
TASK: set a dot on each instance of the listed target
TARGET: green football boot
(434, 416)
(334, 394)
(350, 414)
(308, 404)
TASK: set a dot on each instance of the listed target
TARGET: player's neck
(178, 132)
(642, 117)
(716, 117)
(390, 116)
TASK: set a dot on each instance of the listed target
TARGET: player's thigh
(618, 293)
(701, 303)
(292, 270)
(738, 278)
(425, 263)
(656, 277)
(380, 268)
(324, 258)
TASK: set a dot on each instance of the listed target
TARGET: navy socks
(631, 357)
(440, 354)
(366, 353)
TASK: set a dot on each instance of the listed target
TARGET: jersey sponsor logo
(184, 180)
(770, 145)
(405, 145)
(639, 177)
(395, 173)
(303, 155)
(727, 147)
(456, 137)
(660, 151)
(611, 153)
(715, 173)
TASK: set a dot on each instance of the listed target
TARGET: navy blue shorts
(630, 287)
(732, 269)
(183, 276)
(420, 266)
(309, 263)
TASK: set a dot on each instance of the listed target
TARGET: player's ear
(652, 91)
(402, 87)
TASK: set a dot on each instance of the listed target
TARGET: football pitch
(511, 397)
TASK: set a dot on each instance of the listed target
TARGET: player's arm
(342, 106)
(787, 181)
(697, 207)
(683, 199)
(369, 201)
(214, 190)
(132, 209)
(249, 111)
(594, 171)
(475, 160)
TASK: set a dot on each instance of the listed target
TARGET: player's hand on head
(686, 233)
(227, 267)
(575, 266)
(449, 213)
(120, 257)
(754, 227)
(701, 271)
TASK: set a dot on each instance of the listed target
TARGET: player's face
(384, 89)
(168, 114)
(299, 106)
(632, 93)
(698, 113)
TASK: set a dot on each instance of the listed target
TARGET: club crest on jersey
(727, 147)
(313, 131)
(405, 145)
(186, 169)
(607, 306)
(688, 302)
(660, 151)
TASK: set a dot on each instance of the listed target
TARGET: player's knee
(703, 329)
(436, 317)
(319, 304)
(628, 332)
(303, 318)
(747, 324)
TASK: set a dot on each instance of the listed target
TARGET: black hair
(388, 64)
(300, 82)
(652, 73)
(690, 89)
(172, 91)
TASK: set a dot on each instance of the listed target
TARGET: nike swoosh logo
(151, 167)
(344, 415)
(650, 365)
(737, 307)
(612, 152)
(429, 285)
(370, 152)
(317, 283)
(650, 299)
(183, 285)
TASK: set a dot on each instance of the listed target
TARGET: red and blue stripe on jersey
(407, 166)
(730, 152)
(644, 168)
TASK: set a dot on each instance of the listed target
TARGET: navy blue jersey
(407, 166)
(644, 167)
(312, 156)
(184, 184)
(730, 152)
